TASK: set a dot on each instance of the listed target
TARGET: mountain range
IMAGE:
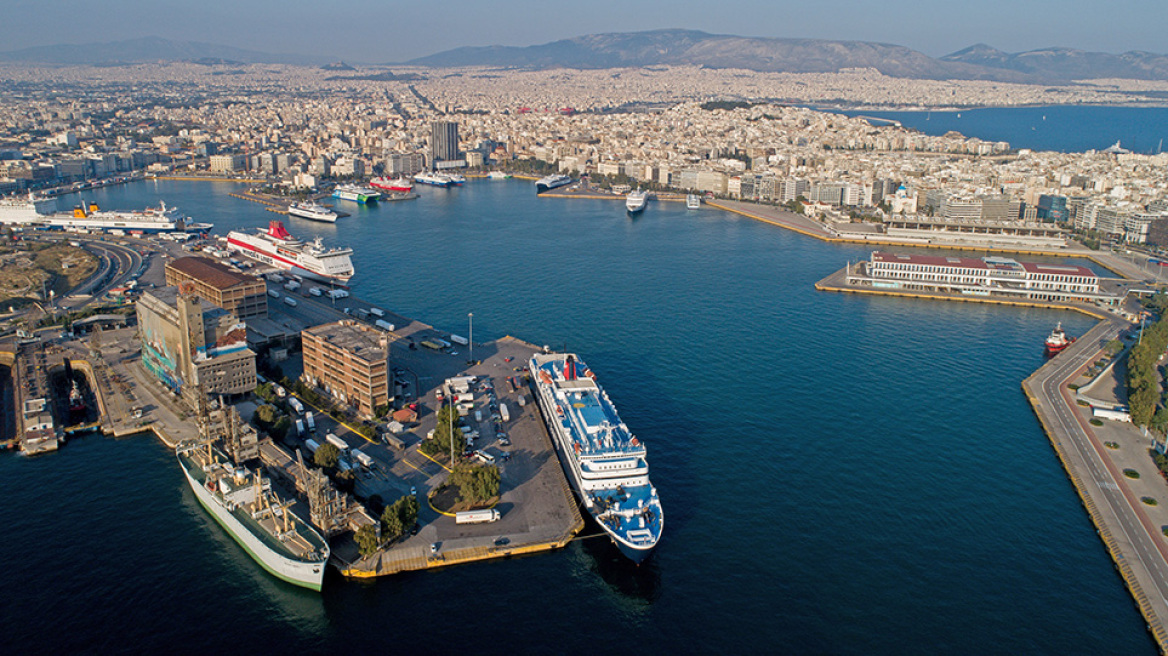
(673, 47)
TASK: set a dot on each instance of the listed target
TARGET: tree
(391, 524)
(327, 455)
(443, 434)
(476, 484)
(1114, 347)
(367, 541)
(266, 415)
(280, 428)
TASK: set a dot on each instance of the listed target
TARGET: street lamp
(470, 344)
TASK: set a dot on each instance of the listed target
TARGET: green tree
(476, 484)
(1160, 419)
(444, 434)
(280, 428)
(367, 542)
(1114, 347)
(327, 456)
(266, 415)
(392, 527)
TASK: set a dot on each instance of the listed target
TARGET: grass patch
(1111, 445)
(1096, 422)
(1149, 501)
(1082, 403)
(1132, 474)
(1073, 386)
(1164, 530)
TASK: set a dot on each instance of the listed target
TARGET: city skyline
(367, 32)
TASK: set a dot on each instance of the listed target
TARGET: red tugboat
(1058, 340)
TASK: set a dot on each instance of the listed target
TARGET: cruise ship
(283, 251)
(551, 182)
(434, 179)
(356, 193)
(243, 503)
(149, 220)
(636, 201)
(312, 212)
(606, 464)
(27, 209)
(395, 185)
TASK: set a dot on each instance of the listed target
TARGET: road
(1116, 510)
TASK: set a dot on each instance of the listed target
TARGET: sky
(376, 31)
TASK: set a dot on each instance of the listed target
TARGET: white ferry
(636, 201)
(606, 465)
(550, 182)
(283, 251)
(312, 212)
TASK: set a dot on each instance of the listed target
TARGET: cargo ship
(606, 464)
(312, 212)
(242, 502)
(1058, 340)
(356, 193)
(550, 182)
(636, 201)
(283, 251)
(395, 185)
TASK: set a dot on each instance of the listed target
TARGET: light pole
(470, 344)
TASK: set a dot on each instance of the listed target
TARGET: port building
(189, 343)
(349, 361)
(987, 276)
(240, 294)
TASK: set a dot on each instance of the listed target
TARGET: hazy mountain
(150, 49)
(1067, 63)
(689, 47)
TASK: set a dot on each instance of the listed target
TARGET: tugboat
(1058, 340)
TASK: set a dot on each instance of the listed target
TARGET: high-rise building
(240, 294)
(443, 141)
(187, 343)
(350, 361)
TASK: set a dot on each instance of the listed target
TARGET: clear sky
(389, 30)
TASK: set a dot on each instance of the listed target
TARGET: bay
(840, 474)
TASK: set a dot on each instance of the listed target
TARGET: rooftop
(210, 272)
(360, 340)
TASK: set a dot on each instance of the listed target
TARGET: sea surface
(840, 474)
(1065, 128)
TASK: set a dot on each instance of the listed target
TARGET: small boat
(693, 202)
(1058, 340)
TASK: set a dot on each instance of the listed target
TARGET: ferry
(499, 175)
(434, 179)
(395, 186)
(693, 202)
(551, 182)
(30, 209)
(242, 502)
(606, 464)
(456, 179)
(358, 193)
(149, 220)
(636, 201)
(312, 212)
(283, 251)
(1058, 340)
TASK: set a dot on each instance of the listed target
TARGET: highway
(1136, 544)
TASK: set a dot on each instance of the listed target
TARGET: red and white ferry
(1058, 340)
(283, 251)
(395, 185)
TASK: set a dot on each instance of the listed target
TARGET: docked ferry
(312, 212)
(149, 220)
(550, 182)
(434, 179)
(394, 185)
(28, 209)
(606, 464)
(636, 201)
(356, 193)
(242, 502)
(280, 249)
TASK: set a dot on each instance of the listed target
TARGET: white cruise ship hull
(305, 574)
(256, 249)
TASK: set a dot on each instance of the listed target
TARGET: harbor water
(839, 473)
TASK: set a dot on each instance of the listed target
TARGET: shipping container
(459, 339)
(362, 458)
(337, 442)
(311, 445)
(384, 325)
(377, 312)
(310, 421)
(291, 302)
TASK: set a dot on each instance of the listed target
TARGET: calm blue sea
(1065, 128)
(840, 474)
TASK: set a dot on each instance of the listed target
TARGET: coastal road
(1124, 526)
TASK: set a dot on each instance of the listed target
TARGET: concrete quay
(1124, 522)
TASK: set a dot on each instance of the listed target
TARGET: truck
(273, 293)
(299, 428)
(291, 285)
(459, 339)
(504, 413)
(361, 313)
(377, 312)
(290, 302)
(315, 291)
(332, 439)
(337, 293)
(384, 325)
(296, 405)
(477, 516)
(310, 421)
(279, 390)
(311, 445)
(362, 458)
